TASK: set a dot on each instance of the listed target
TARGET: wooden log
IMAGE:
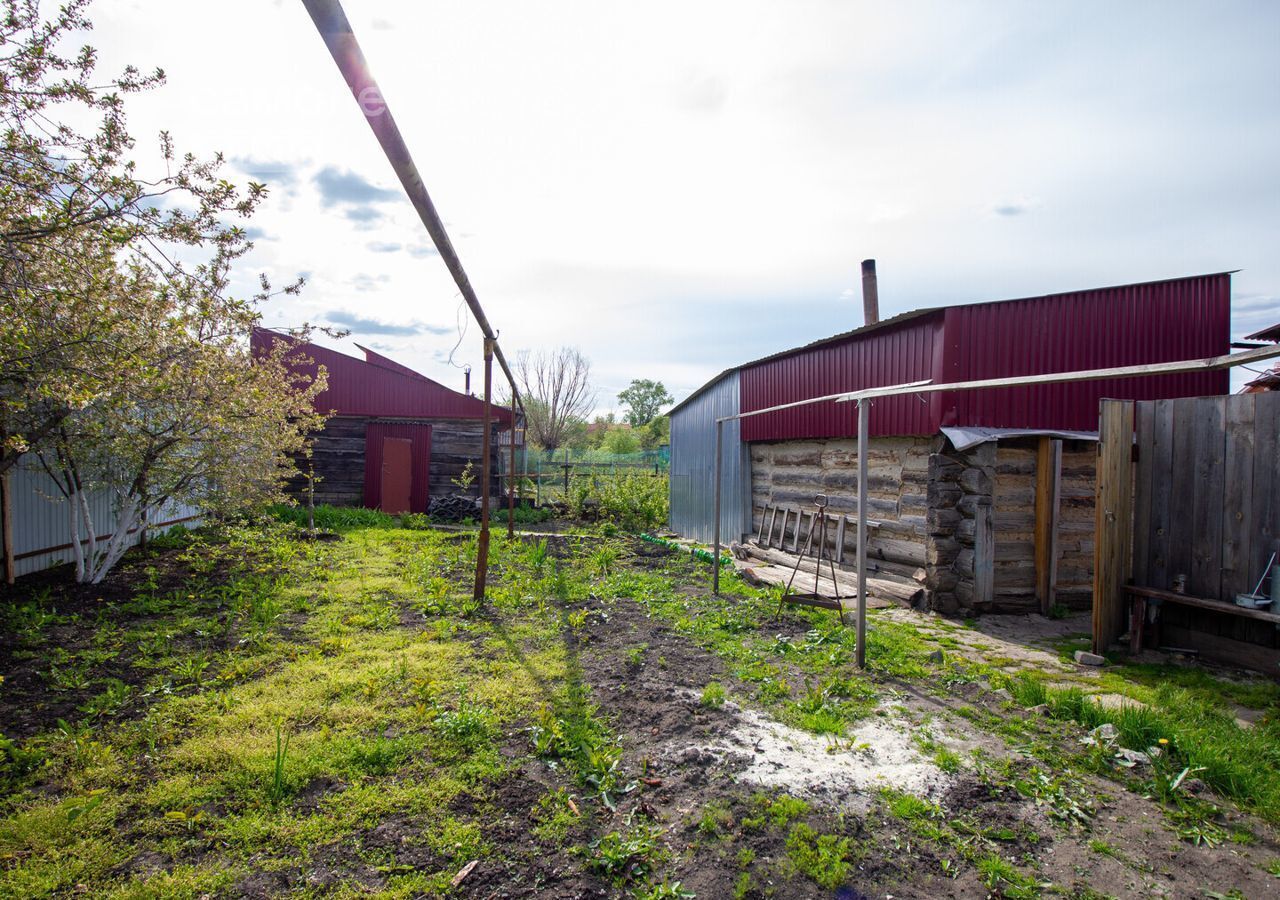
(907, 592)
(984, 554)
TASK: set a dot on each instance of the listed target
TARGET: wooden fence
(1190, 488)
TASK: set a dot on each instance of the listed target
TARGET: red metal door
(397, 474)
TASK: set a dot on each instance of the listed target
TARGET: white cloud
(655, 193)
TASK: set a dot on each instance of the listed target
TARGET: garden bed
(286, 717)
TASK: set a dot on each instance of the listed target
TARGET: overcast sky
(676, 188)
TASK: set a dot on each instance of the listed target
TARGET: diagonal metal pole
(335, 29)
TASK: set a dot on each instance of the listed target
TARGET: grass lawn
(250, 713)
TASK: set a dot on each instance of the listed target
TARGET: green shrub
(635, 500)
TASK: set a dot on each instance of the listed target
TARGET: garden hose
(696, 552)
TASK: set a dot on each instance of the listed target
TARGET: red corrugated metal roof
(365, 388)
(895, 351)
(1181, 318)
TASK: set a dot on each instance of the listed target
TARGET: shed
(981, 499)
(693, 437)
(394, 438)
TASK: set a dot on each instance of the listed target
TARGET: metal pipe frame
(863, 397)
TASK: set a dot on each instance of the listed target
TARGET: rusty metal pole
(864, 431)
(715, 561)
(511, 478)
(482, 545)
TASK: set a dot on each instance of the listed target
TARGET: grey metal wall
(42, 527)
(693, 441)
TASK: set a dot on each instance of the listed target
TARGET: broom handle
(1264, 573)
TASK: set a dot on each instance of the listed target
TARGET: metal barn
(693, 438)
(979, 500)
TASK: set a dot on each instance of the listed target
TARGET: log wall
(961, 525)
(792, 473)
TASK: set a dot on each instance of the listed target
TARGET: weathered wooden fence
(1187, 487)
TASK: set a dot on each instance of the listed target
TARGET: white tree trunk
(119, 543)
(73, 508)
(92, 533)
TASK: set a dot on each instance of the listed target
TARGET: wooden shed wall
(933, 502)
(1014, 507)
(791, 474)
(338, 456)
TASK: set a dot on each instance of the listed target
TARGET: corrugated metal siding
(360, 388)
(419, 492)
(693, 441)
(1185, 318)
(894, 354)
(41, 522)
(1188, 318)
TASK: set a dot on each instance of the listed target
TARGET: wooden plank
(1208, 487)
(1265, 512)
(1114, 516)
(1218, 606)
(1220, 649)
(1054, 554)
(1238, 576)
(1048, 477)
(1144, 426)
(1160, 459)
(984, 553)
(1180, 531)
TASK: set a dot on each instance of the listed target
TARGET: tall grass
(334, 518)
(1242, 764)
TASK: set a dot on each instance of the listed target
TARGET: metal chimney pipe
(467, 389)
(870, 293)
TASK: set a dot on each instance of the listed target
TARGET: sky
(677, 188)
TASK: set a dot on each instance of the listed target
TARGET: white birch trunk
(119, 543)
(77, 550)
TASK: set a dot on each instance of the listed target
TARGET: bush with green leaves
(635, 500)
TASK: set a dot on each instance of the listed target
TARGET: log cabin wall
(1014, 506)
(959, 524)
(791, 473)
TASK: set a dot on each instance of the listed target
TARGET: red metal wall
(421, 437)
(360, 388)
(892, 354)
(1186, 318)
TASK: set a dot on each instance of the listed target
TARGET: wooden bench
(1145, 596)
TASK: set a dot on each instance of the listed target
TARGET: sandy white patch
(847, 772)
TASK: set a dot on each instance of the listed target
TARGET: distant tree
(621, 440)
(644, 399)
(556, 391)
(656, 433)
